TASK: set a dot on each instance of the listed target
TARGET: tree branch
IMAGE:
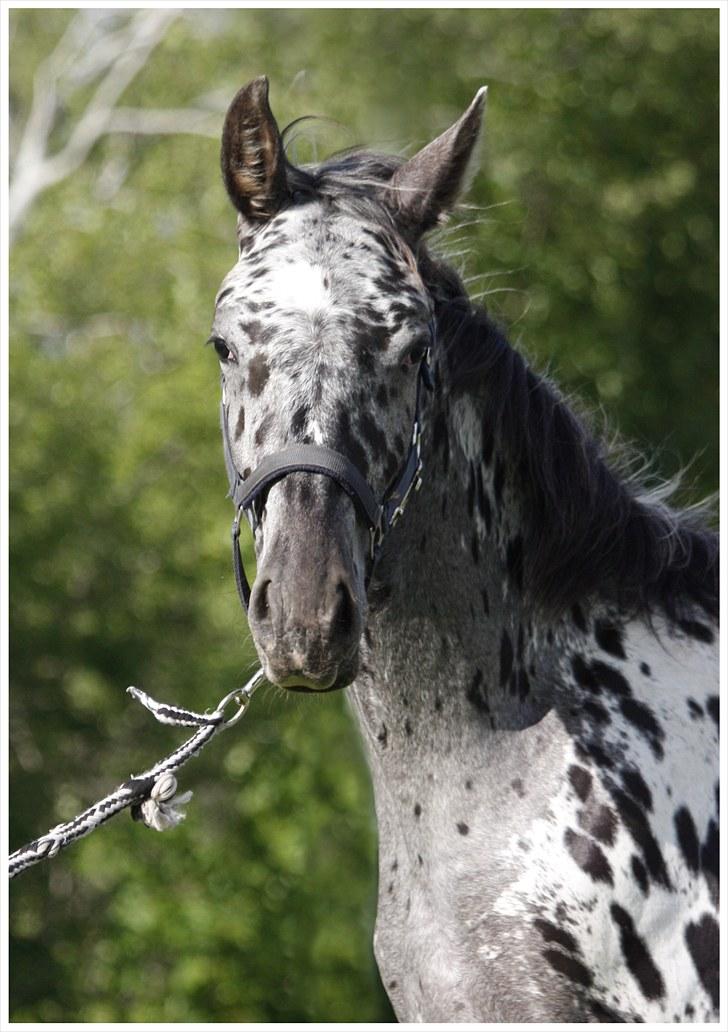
(118, 57)
(164, 122)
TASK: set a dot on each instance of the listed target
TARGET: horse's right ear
(253, 161)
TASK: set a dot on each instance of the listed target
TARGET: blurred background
(594, 238)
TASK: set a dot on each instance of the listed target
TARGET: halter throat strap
(313, 458)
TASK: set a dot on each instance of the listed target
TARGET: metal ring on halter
(242, 697)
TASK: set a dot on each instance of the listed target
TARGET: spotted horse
(530, 650)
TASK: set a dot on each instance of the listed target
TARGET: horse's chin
(311, 690)
(342, 677)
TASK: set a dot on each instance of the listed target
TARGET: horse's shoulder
(624, 869)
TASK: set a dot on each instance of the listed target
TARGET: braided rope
(151, 795)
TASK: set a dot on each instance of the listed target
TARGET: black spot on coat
(589, 856)
(299, 420)
(642, 717)
(262, 431)
(552, 933)
(600, 822)
(609, 678)
(582, 673)
(609, 637)
(348, 443)
(636, 823)
(258, 373)
(637, 787)
(687, 837)
(637, 956)
(581, 781)
(703, 944)
(602, 759)
(640, 874)
(572, 968)
(597, 712)
(695, 709)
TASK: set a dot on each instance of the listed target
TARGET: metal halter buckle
(414, 485)
(376, 536)
(236, 523)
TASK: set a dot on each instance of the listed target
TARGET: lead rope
(151, 795)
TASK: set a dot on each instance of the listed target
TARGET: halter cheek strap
(313, 458)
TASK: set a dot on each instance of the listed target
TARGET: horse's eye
(413, 355)
(223, 351)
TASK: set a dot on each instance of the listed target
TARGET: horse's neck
(453, 653)
(492, 737)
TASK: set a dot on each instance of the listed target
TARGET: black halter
(313, 458)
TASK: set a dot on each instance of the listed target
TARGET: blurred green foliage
(594, 239)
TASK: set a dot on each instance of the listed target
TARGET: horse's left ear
(423, 190)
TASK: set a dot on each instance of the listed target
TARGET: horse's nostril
(343, 614)
(260, 601)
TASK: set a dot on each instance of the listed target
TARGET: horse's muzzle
(306, 629)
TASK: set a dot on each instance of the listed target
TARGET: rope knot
(162, 809)
(51, 843)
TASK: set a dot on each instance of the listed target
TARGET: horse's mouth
(311, 691)
(299, 683)
(332, 680)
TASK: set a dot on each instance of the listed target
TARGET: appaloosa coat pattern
(532, 662)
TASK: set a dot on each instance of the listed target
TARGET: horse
(526, 633)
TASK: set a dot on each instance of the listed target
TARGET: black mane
(592, 527)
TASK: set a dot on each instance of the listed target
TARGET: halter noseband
(313, 458)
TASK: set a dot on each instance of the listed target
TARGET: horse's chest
(444, 951)
(448, 852)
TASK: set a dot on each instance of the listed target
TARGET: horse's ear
(424, 189)
(253, 162)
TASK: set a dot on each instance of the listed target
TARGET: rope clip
(240, 696)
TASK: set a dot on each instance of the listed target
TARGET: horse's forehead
(310, 259)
